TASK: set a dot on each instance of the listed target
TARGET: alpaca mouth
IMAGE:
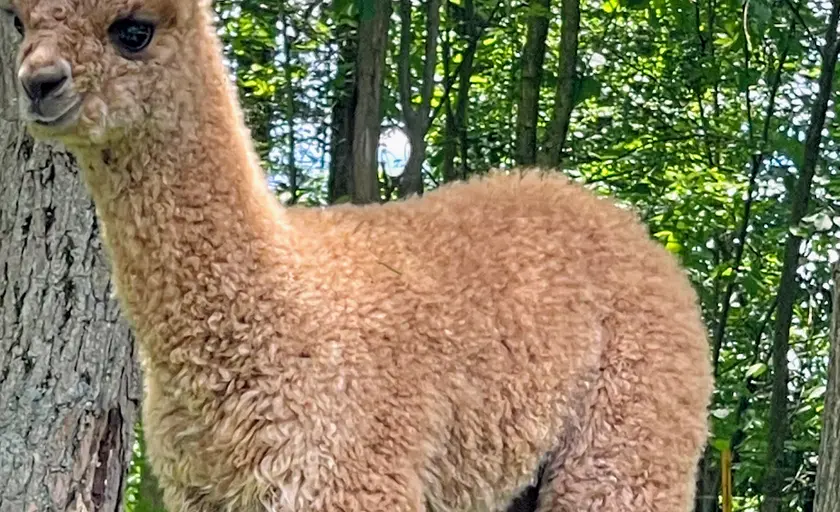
(68, 116)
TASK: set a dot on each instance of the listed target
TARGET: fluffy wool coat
(425, 353)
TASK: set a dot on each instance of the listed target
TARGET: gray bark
(68, 390)
(828, 470)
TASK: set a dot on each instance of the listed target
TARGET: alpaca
(427, 353)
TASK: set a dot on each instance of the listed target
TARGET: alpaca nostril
(43, 84)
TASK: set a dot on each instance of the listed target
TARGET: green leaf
(610, 5)
(815, 393)
(756, 370)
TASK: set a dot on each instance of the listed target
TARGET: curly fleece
(425, 353)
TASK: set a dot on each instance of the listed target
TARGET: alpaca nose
(44, 82)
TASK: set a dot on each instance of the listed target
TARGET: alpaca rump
(425, 353)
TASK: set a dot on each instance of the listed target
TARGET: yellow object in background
(726, 479)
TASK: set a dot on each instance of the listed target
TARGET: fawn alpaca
(426, 353)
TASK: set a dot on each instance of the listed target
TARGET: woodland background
(716, 119)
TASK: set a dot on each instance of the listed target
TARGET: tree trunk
(775, 476)
(417, 121)
(448, 146)
(68, 379)
(533, 57)
(828, 470)
(708, 483)
(456, 129)
(456, 140)
(564, 95)
(374, 19)
(291, 108)
(344, 105)
(464, 82)
(411, 181)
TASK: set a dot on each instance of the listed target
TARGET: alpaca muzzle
(47, 95)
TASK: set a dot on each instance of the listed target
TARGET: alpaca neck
(189, 223)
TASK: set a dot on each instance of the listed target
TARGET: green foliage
(671, 106)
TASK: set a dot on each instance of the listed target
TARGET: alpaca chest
(265, 441)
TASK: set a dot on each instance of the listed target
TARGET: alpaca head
(92, 71)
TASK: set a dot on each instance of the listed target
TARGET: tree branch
(755, 168)
(472, 43)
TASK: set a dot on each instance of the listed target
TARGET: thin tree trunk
(417, 121)
(828, 470)
(565, 93)
(778, 431)
(415, 164)
(68, 379)
(533, 58)
(456, 143)
(373, 24)
(290, 106)
(342, 119)
(456, 129)
(708, 483)
(464, 82)
(456, 126)
(449, 144)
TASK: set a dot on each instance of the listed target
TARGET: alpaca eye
(19, 25)
(131, 35)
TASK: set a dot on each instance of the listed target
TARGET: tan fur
(378, 358)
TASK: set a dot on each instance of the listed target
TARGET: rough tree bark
(68, 377)
(533, 58)
(775, 475)
(417, 121)
(564, 94)
(374, 17)
(828, 470)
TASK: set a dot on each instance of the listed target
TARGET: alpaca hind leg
(638, 444)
